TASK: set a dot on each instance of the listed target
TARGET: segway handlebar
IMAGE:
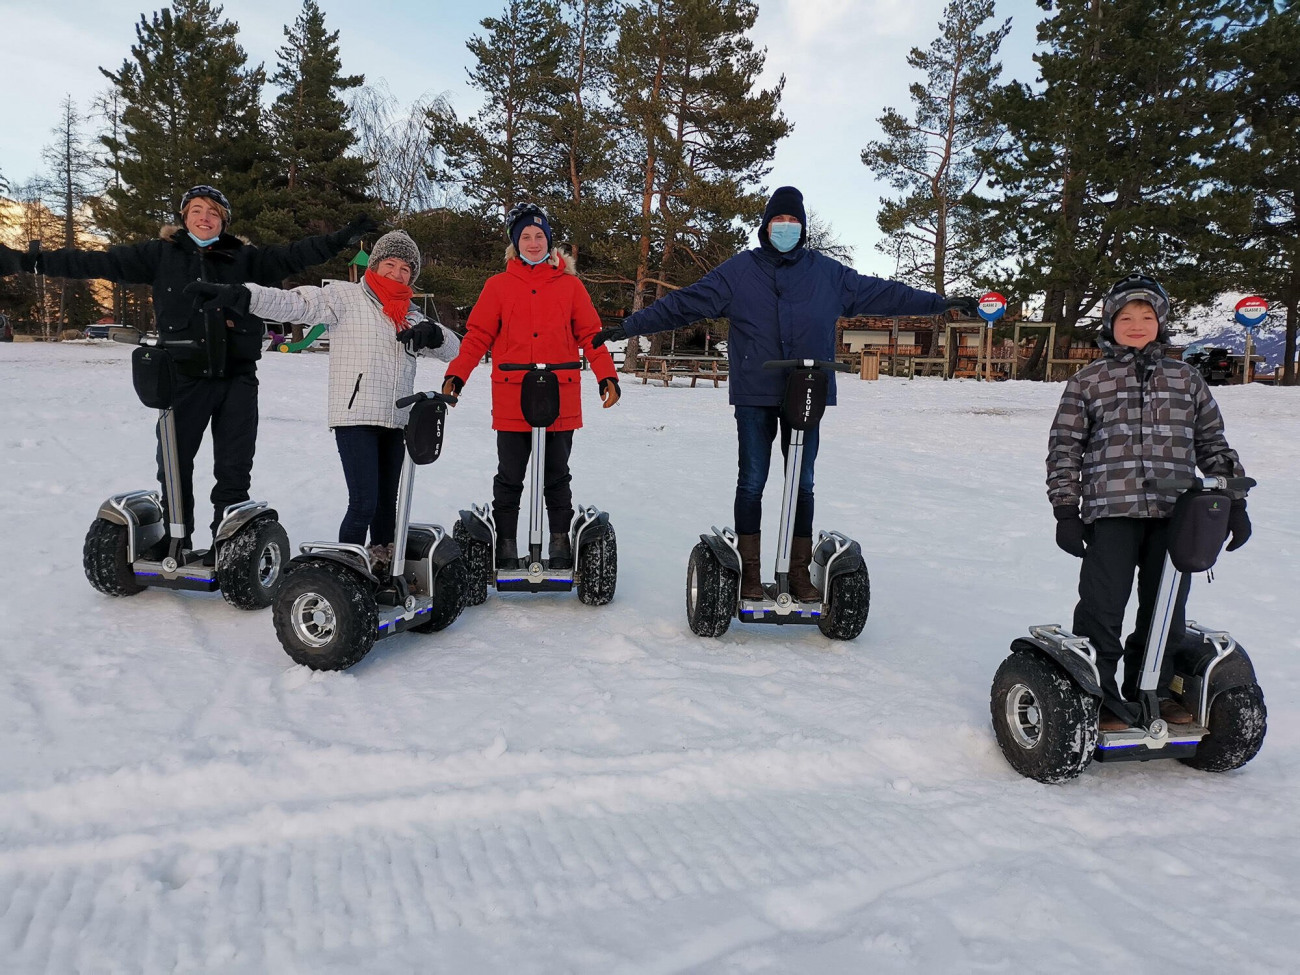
(541, 366)
(1200, 483)
(414, 398)
(807, 364)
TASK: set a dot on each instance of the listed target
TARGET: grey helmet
(1135, 287)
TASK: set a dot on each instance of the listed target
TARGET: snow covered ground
(548, 787)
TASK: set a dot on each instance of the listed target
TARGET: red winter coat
(533, 314)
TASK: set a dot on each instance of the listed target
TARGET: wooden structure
(693, 367)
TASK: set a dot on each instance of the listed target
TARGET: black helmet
(1135, 287)
(208, 192)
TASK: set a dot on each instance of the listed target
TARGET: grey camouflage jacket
(1126, 417)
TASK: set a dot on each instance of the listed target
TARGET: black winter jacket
(172, 261)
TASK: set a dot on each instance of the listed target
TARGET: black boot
(560, 552)
(507, 554)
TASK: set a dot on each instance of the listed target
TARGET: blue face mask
(204, 243)
(784, 236)
(541, 260)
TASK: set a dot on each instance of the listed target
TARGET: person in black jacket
(216, 351)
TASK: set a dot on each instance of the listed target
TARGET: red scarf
(393, 295)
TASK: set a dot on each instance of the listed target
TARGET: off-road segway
(1047, 694)
(334, 605)
(838, 569)
(591, 535)
(133, 544)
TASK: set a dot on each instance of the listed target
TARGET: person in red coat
(536, 311)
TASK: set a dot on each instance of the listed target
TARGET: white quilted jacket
(369, 368)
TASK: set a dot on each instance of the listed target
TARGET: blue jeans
(756, 428)
(372, 465)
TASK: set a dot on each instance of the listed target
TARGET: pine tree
(583, 131)
(933, 158)
(318, 183)
(506, 152)
(699, 136)
(191, 114)
(1104, 164)
(1262, 169)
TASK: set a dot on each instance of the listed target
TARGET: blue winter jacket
(781, 306)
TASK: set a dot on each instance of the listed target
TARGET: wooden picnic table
(692, 367)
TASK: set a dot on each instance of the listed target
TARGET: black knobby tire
(251, 564)
(597, 569)
(1046, 725)
(478, 564)
(103, 556)
(711, 593)
(1238, 722)
(450, 584)
(845, 614)
(345, 630)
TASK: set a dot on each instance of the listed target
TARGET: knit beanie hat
(398, 244)
(535, 218)
(785, 199)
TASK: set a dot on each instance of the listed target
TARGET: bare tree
(396, 142)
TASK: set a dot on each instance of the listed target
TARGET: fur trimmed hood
(560, 258)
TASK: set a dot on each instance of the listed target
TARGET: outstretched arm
(867, 295)
(709, 297)
(272, 263)
(124, 263)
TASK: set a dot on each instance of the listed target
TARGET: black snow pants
(230, 405)
(1117, 547)
(513, 450)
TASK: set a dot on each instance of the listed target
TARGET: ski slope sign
(992, 307)
(1252, 311)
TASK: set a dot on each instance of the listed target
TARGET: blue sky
(844, 62)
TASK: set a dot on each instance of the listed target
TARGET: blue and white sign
(992, 307)
(1252, 311)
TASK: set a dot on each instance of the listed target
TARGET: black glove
(969, 307)
(615, 333)
(231, 297)
(452, 385)
(1238, 524)
(11, 261)
(1069, 530)
(426, 335)
(361, 225)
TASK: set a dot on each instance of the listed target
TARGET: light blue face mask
(541, 260)
(784, 236)
(204, 243)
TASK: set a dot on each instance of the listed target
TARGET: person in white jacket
(375, 335)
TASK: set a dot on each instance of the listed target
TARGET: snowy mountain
(1214, 326)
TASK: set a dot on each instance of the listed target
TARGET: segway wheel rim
(313, 620)
(1024, 716)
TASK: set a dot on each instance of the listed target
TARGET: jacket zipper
(355, 389)
(1143, 374)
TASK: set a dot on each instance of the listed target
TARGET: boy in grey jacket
(1131, 415)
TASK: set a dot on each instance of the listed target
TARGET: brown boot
(751, 574)
(801, 587)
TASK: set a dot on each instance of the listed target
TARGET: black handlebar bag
(424, 430)
(805, 398)
(539, 398)
(153, 373)
(1198, 529)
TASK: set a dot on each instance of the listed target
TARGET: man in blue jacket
(782, 301)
